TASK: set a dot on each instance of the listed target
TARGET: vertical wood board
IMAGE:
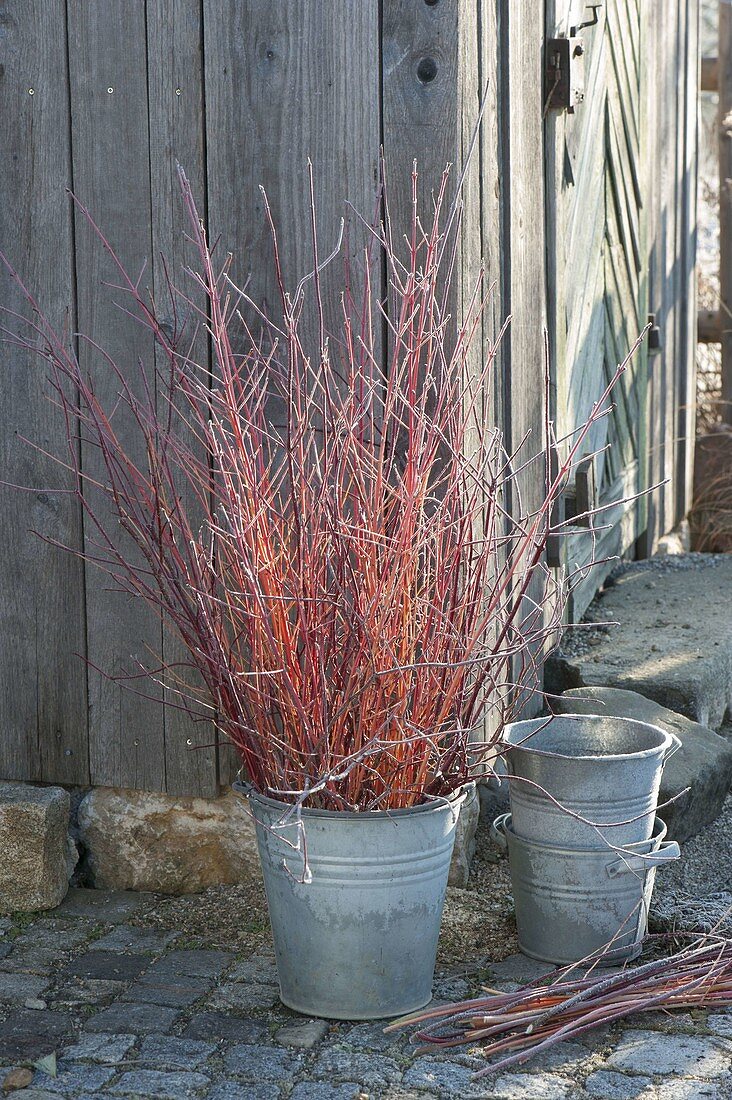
(111, 171)
(285, 83)
(42, 643)
(176, 121)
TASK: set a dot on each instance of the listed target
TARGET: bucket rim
(438, 804)
(668, 739)
(636, 847)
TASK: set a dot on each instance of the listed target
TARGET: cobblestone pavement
(132, 1012)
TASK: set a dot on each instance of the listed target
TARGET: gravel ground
(696, 892)
(130, 995)
(477, 921)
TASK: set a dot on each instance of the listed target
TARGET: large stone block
(703, 764)
(464, 850)
(668, 636)
(137, 840)
(34, 823)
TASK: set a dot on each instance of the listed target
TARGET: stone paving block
(27, 1035)
(673, 641)
(34, 824)
(30, 960)
(75, 1080)
(262, 1063)
(244, 997)
(373, 1071)
(261, 969)
(111, 906)
(319, 1090)
(18, 987)
(87, 991)
(566, 1058)
(165, 1086)
(55, 935)
(369, 1036)
(703, 764)
(444, 1077)
(216, 1025)
(107, 1049)
(177, 994)
(610, 1085)
(518, 970)
(652, 1052)
(687, 1089)
(193, 964)
(140, 941)
(598, 1039)
(37, 1094)
(524, 1086)
(232, 1090)
(720, 1023)
(398, 1093)
(671, 1021)
(451, 989)
(302, 1035)
(170, 1052)
(142, 1019)
(107, 966)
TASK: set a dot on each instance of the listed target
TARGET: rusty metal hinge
(565, 74)
(577, 503)
(564, 83)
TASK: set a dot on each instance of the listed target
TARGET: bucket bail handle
(498, 831)
(673, 747)
(667, 852)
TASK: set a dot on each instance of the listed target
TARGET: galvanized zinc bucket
(603, 769)
(359, 940)
(571, 903)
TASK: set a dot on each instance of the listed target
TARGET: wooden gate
(596, 183)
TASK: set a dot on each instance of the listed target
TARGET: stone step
(703, 764)
(671, 639)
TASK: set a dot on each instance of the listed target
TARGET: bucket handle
(498, 831)
(667, 852)
(673, 747)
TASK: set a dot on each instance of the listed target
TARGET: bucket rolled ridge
(605, 771)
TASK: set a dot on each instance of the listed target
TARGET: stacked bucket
(583, 837)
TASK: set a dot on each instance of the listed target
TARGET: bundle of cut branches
(513, 1027)
(319, 511)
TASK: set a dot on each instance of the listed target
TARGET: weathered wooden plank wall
(620, 227)
(241, 93)
(111, 173)
(43, 727)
